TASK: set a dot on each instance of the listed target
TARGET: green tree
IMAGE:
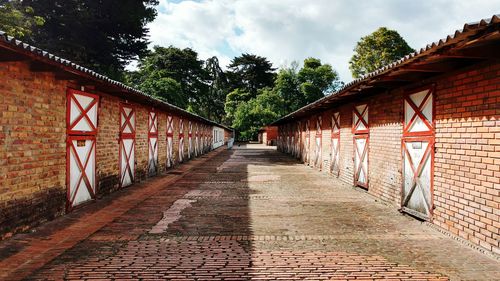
(287, 86)
(292, 89)
(233, 100)
(377, 50)
(166, 89)
(179, 65)
(213, 103)
(251, 73)
(251, 115)
(102, 35)
(18, 21)
(316, 80)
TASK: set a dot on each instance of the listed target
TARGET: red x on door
(127, 145)
(361, 160)
(82, 111)
(418, 153)
(335, 144)
(153, 142)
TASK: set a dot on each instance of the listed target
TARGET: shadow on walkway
(251, 213)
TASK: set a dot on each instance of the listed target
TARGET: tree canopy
(102, 35)
(176, 75)
(317, 80)
(377, 50)
(250, 93)
(291, 90)
(250, 116)
(251, 73)
(18, 20)
(218, 88)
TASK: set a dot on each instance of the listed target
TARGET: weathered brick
(33, 145)
(467, 146)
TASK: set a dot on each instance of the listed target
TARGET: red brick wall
(107, 141)
(385, 121)
(33, 145)
(467, 159)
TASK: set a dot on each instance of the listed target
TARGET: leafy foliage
(175, 75)
(165, 88)
(18, 21)
(292, 89)
(377, 50)
(102, 35)
(105, 35)
(250, 116)
(213, 103)
(251, 73)
(287, 86)
(317, 79)
(233, 100)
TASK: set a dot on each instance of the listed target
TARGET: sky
(291, 30)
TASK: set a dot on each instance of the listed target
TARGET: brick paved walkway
(247, 214)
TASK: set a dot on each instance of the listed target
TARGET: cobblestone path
(246, 214)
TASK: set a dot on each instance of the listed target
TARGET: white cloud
(289, 30)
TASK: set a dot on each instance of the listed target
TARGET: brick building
(69, 135)
(268, 135)
(422, 133)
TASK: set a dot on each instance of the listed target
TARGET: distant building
(268, 135)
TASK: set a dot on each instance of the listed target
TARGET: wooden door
(298, 153)
(361, 130)
(418, 153)
(153, 143)
(361, 160)
(181, 140)
(81, 127)
(335, 145)
(196, 141)
(190, 139)
(81, 152)
(318, 157)
(307, 142)
(170, 141)
(127, 145)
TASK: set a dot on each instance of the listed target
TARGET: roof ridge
(41, 53)
(428, 48)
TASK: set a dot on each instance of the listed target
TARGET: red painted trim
(335, 124)
(170, 125)
(361, 119)
(83, 166)
(127, 160)
(319, 134)
(307, 143)
(153, 123)
(365, 153)
(70, 95)
(428, 153)
(335, 135)
(123, 136)
(169, 136)
(418, 111)
(424, 136)
(190, 129)
(127, 122)
(152, 133)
